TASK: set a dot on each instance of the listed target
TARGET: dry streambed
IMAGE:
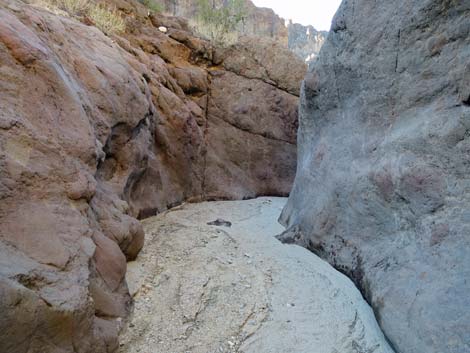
(233, 287)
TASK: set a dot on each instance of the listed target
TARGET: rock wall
(95, 131)
(382, 187)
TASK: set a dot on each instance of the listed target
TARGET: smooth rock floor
(203, 288)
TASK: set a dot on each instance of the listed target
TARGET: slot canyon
(267, 188)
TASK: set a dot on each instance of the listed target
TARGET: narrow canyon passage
(114, 111)
(233, 287)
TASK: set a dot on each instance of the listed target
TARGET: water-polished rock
(237, 289)
(383, 189)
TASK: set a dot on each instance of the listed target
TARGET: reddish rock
(95, 131)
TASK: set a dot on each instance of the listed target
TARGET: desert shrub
(107, 20)
(73, 7)
(219, 22)
(152, 5)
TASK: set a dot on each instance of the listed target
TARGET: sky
(318, 13)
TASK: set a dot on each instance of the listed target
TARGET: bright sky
(318, 13)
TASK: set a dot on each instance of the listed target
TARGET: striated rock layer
(382, 188)
(96, 131)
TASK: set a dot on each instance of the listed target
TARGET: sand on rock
(202, 288)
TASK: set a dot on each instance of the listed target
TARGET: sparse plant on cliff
(152, 5)
(219, 21)
(73, 7)
(107, 20)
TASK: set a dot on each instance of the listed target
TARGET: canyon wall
(382, 188)
(304, 41)
(96, 131)
(261, 22)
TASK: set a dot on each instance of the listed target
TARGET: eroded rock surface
(95, 131)
(203, 288)
(382, 190)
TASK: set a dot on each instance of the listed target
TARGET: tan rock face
(261, 22)
(96, 131)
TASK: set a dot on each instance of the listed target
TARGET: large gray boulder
(383, 188)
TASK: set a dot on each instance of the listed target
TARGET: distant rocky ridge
(96, 131)
(304, 41)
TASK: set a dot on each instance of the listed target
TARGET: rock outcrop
(95, 131)
(382, 187)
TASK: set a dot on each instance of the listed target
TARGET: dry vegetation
(153, 5)
(219, 22)
(73, 7)
(108, 20)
